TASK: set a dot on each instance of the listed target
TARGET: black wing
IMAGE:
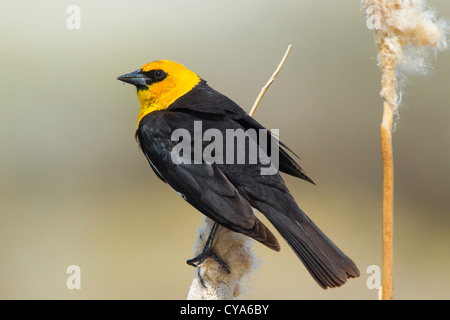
(207, 103)
(203, 185)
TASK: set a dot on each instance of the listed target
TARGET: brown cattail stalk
(406, 31)
(389, 109)
(388, 204)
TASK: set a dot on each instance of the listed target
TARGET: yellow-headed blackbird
(172, 97)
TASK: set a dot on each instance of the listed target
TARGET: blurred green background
(75, 189)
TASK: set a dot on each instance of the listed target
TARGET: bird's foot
(198, 260)
(207, 253)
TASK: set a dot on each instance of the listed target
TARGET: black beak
(136, 78)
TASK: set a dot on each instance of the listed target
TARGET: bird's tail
(327, 264)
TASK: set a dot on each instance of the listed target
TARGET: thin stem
(388, 203)
(272, 78)
(389, 109)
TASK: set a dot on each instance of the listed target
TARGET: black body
(226, 193)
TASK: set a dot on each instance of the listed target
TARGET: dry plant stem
(388, 203)
(407, 34)
(389, 109)
(271, 80)
(211, 281)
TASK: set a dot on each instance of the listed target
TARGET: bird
(172, 99)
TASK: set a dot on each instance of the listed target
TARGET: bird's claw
(198, 260)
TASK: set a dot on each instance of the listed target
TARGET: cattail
(407, 35)
(212, 281)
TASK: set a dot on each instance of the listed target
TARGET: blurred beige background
(75, 189)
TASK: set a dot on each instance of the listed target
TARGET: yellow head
(159, 84)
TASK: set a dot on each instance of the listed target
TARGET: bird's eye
(159, 74)
(155, 75)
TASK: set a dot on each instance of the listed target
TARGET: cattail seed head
(408, 35)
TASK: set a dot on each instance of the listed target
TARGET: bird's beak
(136, 78)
